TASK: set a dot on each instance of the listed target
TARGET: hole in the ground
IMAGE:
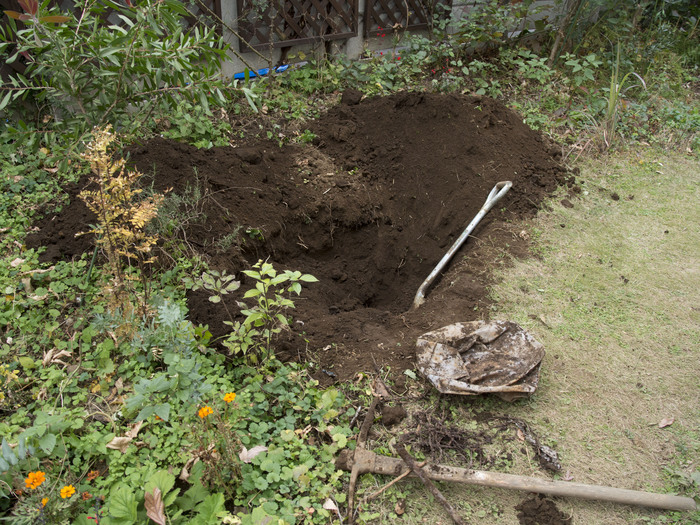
(369, 209)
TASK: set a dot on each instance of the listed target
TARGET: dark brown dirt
(540, 511)
(369, 208)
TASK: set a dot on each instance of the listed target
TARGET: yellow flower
(44, 501)
(205, 411)
(34, 479)
(67, 491)
(229, 397)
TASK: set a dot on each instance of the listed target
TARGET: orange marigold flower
(86, 495)
(44, 501)
(92, 475)
(229, 397)
(205, 411)
(34, 479)
(67, 491)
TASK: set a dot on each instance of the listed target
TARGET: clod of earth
(541, 511)
(369, 208)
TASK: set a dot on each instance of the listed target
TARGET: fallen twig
(418, 471)
(392, 482)
(355, 472)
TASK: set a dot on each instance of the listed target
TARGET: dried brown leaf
(155, 509)
(247, 456)
(134, 430)
(379, 389)
(120, 443)
(666, 422)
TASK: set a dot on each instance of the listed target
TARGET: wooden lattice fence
(282, 23)
(383, 15)
(292, 22)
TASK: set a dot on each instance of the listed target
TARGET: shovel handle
(368, 461)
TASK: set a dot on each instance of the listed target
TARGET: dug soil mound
(368, 207)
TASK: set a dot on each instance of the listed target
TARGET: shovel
(498, 191)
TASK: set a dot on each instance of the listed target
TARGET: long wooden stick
(418, 471)
(366, 461)
(357, 469)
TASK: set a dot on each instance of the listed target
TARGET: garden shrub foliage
(82, 72)
(121, 217)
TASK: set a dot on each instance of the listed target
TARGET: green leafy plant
(84, 73)
(491, 23)
(616, 90)
(582, 69)
(275, 440)
(218, 284)
(159, 501)
(266, 317)
(193, 123)
(171, 340)
(307, 136)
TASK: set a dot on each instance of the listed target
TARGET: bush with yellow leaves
(122, 213)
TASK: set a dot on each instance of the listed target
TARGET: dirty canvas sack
(480, 357)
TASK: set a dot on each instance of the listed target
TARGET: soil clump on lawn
(541, 511)
(368, 207)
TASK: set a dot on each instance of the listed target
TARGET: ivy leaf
(154, 506)
(209, 510)
(268, 465)
(122, 504)
(47, 443)
(162, 481)
(340, 439)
